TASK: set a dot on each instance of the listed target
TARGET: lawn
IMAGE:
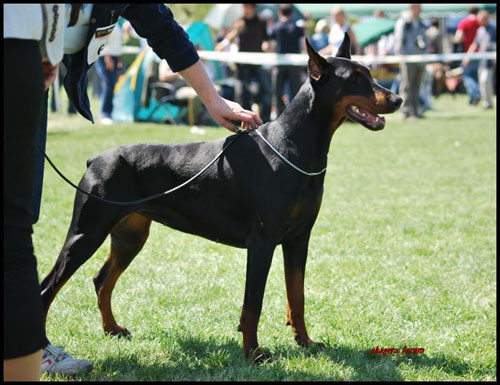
(403, 253)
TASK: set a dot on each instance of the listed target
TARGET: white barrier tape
(264, 58)
(274, 59)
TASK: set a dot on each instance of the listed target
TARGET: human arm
(223, 111)
(50, 73)
(473, 48)
(459, 36)
(230, 36)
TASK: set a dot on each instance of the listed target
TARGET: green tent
(319, 11)
(370, 31)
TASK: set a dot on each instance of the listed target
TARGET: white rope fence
(275, 59)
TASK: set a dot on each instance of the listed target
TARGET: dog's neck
(306, 128)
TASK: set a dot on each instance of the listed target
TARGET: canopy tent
(128, 105)
(223, 15)
(370, 31)
(318, 11)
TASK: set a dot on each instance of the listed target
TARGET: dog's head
(348, 88)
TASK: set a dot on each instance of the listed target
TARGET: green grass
(403, 253)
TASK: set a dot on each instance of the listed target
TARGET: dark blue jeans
(109, 79)
(471, 81)
(247, 72)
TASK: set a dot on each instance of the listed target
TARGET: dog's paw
(258, 357)
(118, 331)
(309, 343)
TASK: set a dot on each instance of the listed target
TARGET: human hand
(50, 73)
(109, 63)
(465, 61)
(224, 111)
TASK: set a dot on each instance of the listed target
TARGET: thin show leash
(238, 135)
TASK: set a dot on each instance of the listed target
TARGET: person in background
(267, 15)
(338, 29)
(434, 46)
(319, 39)
(410, 39)
(485, 41)
(253, 37)
(465, 35)
(107, 67)
(307, 23)
(289, 39)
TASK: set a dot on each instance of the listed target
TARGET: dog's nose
(396, 100)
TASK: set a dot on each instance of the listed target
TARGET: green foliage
(187, 13)
(403, 253)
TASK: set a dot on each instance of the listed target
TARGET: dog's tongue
(371, 117)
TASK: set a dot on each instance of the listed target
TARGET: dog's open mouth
(366, 118)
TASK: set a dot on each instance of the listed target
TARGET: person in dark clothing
(289, 39)
(31, 62)
(253, 37)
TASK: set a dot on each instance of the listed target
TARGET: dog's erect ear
(317, 64)
(345, 48)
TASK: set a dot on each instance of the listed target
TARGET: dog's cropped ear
(345, 48)
(317, 64)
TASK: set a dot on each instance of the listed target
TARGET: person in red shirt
(465, 35)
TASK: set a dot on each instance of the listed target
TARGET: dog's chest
(304, 209)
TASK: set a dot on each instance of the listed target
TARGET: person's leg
(36, 197)
(278, 91)
(242, 93)
(416, 81)
(26, 368)
(24, 332)
(110, 77)
(106, 92)
(404, 89)
(470, 79)
(265, 93)
(295, 80)
(486, 85)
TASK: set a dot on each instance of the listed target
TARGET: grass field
(403, 254)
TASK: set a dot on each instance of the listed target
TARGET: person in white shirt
(338, 29)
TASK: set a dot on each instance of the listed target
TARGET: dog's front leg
(259, 257)
(295, 256)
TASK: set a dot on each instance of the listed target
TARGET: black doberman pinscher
(250, 198)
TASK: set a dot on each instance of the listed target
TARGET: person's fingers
(249, 117)
(230, 126)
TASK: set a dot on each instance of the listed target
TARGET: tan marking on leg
(127, 239)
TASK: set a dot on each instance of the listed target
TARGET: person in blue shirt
(289, 39)
(32, 45)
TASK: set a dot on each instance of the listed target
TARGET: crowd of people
(416, 82)
(271, 88)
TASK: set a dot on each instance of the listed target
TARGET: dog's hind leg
(259, 260)
(295, 256)
(127, 239)
(88, 230)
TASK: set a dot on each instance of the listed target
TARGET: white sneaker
(107, 121)
(56, 361)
